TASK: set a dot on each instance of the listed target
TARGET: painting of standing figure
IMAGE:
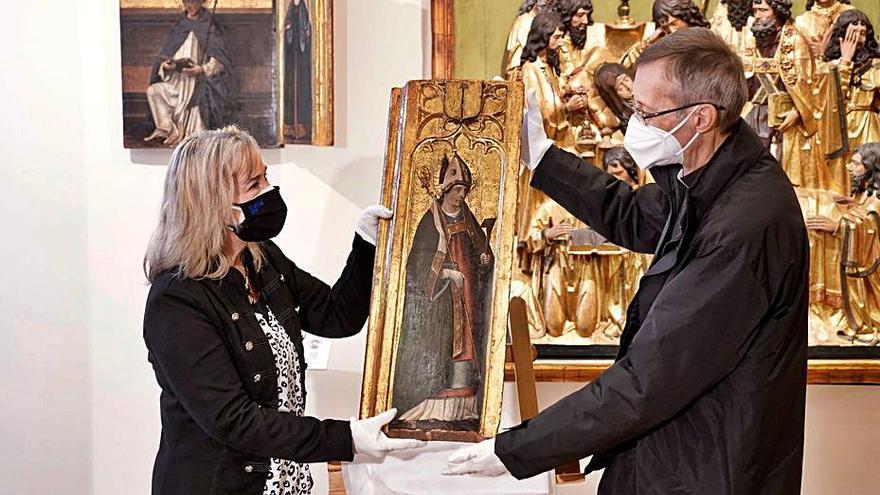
(307, 46)
(441, 283)
(448, 270)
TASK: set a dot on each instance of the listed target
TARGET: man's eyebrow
(641, 106)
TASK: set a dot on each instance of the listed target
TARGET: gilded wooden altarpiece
(845, 364)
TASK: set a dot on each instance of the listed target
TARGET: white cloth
(417, 471)
(285, 477)
(535, 142)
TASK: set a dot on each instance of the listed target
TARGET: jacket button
(257, 377)
(249, 469)
(235, 316)
(248, 346)
(282, 278)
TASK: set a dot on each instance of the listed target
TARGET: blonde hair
(192, 235)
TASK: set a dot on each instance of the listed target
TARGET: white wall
(44, 346)
(80, 408)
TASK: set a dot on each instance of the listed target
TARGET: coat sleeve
(341, 310)
(631, 219)
(690, 340)
(193, 363)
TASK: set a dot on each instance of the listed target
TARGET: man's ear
(708, 117)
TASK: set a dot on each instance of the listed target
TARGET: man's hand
(168, 65)
(534, 139)
(822, 223)
(368, 223)
(556, 231)
(485, 259)
(849, 44)
(576, 103)
(368, 439)
(478, 460)
(194, 71)
(454, 276)
(789, 119)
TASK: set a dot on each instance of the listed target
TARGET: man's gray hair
(706, 69)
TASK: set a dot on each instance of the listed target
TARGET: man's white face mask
(651, 146)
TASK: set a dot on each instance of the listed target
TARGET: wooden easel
(522, 354)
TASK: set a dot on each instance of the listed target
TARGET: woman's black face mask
(263, 216)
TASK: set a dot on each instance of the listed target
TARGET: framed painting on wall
(196, 64)
(306, 48)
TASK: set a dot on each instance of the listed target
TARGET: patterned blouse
(285, 477)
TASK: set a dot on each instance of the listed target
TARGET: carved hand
(822, 223)
(789, 119)
(554, 232)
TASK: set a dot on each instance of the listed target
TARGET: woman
(614, 85)
(223, 325)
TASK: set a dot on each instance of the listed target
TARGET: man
(855, 53)
(583, 44)
(581, 51)
(708, 390)
(781, 102)
(448, 276)
(669, 16)
(815, 24)
(729, 20)
(191, 80)
(519, 35)
(861, 285)
(540, 73)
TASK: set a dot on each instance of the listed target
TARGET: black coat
(707, 393)
(219, 401)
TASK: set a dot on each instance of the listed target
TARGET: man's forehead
(652, 84)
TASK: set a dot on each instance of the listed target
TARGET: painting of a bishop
(441, 353)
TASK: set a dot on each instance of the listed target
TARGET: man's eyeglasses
(644, 116)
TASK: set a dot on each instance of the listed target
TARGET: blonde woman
(223, 325)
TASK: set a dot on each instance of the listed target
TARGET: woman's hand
(368, 439)
(368, 224)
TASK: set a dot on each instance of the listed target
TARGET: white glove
(478, 460)
(368, 439)
(534, 139)
(368, 223)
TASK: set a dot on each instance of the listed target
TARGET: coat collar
(736, 156)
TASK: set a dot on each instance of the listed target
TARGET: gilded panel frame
(395, 239)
